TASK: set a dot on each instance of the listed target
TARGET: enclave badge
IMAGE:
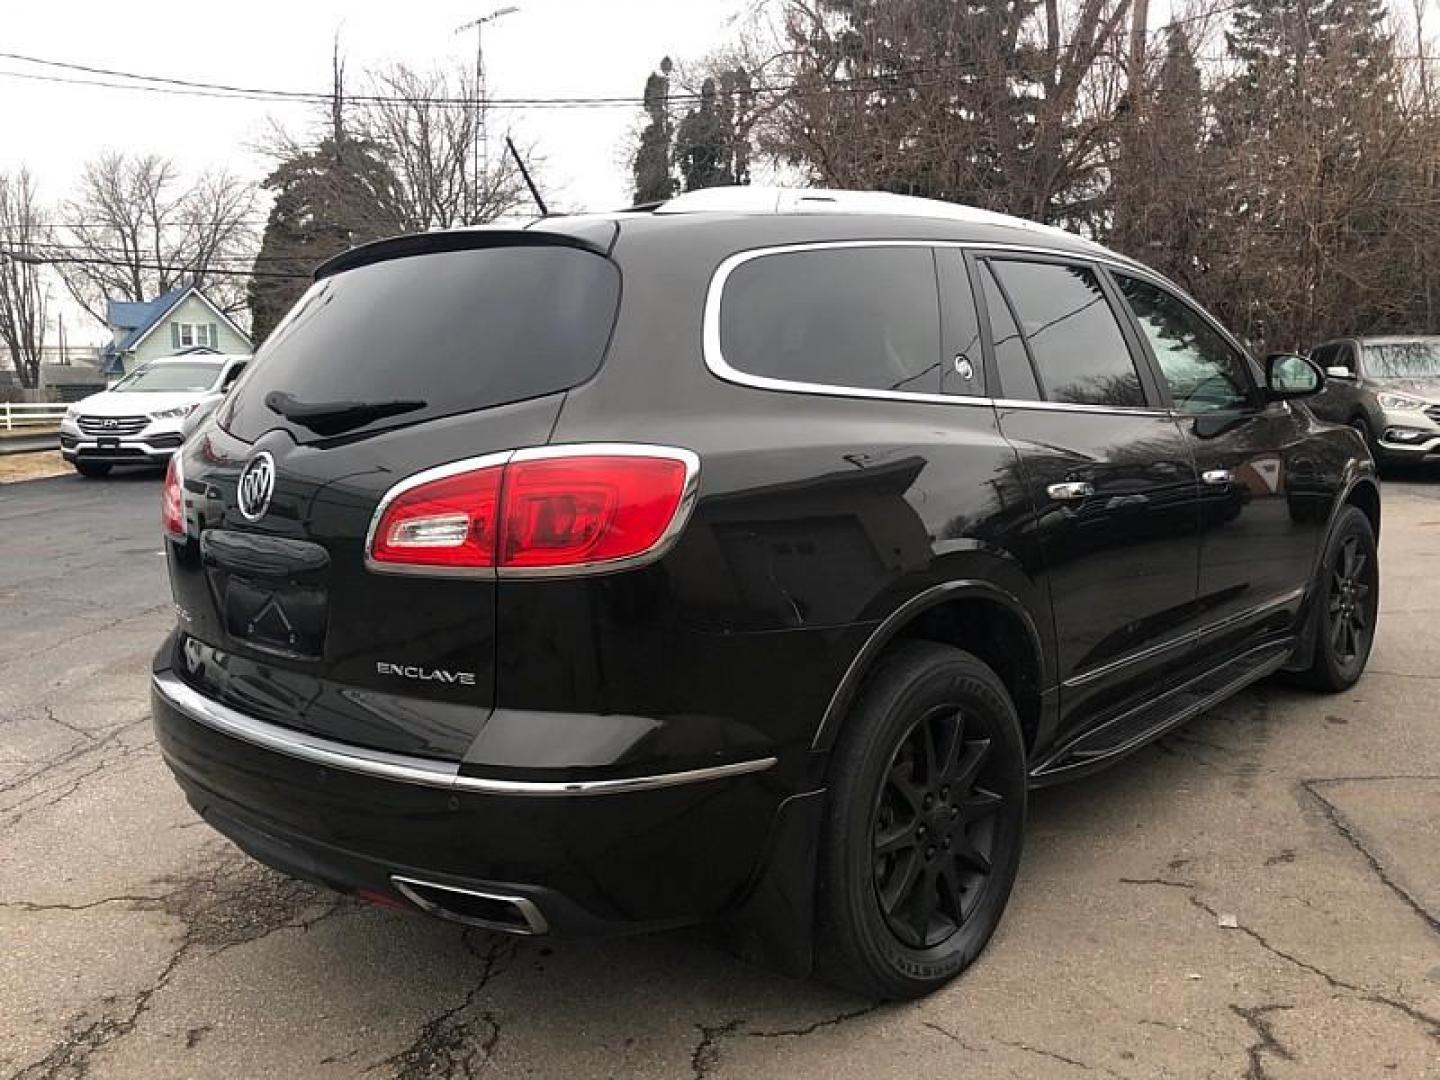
(257, 483)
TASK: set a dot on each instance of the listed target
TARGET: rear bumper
(602, 856)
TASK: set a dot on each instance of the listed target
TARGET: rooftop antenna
(524, 172)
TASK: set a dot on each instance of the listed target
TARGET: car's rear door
(1111, 480)
(407, 362)
(1264, 500)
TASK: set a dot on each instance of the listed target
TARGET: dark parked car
(1386, 388)
(745, 559)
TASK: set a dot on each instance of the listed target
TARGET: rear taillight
(567, 509)
(172, 511)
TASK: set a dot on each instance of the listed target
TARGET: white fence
(19, 415)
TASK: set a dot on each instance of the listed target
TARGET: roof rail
(780, 200)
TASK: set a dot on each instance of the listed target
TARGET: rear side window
(864, 318)
(1079, 350)
(1017, 377)
(456, 330)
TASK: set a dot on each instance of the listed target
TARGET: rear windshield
(439, 334)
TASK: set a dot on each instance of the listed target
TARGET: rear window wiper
(337, 417)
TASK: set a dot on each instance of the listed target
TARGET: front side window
(865, 318)
(1079, 349)
(1202, 370)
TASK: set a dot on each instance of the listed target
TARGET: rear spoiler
(593, 236)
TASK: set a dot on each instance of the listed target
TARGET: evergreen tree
(327, 199)
(653, 182)
(712, 143)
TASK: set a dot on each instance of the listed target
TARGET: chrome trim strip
(413, 770)
(534, 919)
(721, 369)
(1193, 637)
(439, 472)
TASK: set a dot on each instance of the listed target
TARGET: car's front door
(1111, 482)
(1261, 510)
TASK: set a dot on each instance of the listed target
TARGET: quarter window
(1204, 373)
(867, 318)
(1017, 377)
(1079, 349)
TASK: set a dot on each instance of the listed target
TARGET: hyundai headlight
(175, 413)
(1402, 402)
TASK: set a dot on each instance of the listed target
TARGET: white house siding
(190, 310)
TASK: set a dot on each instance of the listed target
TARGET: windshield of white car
(189, 377)
(1404, 360)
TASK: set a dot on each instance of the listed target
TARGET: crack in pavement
(1350, 833)
(446, 1044)
(1254, 1017)
(953, 1037)
(229, 900)
(706, 1055)
(1361, 993)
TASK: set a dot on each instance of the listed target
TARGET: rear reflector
(565, 509)
(172, 511)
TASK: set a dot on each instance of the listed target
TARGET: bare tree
(22, 294)
(135, 230)
(430, 142)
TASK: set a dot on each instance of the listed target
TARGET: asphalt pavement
(1257, 895)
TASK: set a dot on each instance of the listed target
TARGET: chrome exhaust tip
(491, 911)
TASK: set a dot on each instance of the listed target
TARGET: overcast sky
(549, 48)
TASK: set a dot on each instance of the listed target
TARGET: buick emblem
(257, 484)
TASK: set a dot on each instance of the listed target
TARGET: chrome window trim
(405, 768)
(719, 367)
(688, 497)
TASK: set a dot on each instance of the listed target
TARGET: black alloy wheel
(1347, 604)
(924, 823)
(933, 831)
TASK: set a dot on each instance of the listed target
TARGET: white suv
(144, 417)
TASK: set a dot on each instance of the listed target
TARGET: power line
(37, 257)
(162, 84)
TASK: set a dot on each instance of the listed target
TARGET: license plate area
(108, 442)
(282, 617)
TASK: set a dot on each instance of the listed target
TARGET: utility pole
(480, 148)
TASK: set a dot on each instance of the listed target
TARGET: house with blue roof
(182, 320)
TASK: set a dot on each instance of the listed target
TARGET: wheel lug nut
(945, 792)
(945, 843)
(954, 812)
(928, 802)
(929, 853)
(921, 831)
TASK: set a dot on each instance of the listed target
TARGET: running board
(1145, 723)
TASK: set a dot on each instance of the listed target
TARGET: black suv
(742, 559)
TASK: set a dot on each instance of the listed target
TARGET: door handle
(1070, 491)
(1217, 477)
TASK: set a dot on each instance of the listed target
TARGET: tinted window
(857, 317)
(1324, 356)
(1074, 336)
(1017, 377)
(963, 369)
(1201, 369)
(458, 330)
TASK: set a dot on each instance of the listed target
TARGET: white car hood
(122, 403)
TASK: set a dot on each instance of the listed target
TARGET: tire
(1344, 617)
(924, 703)
(93, 469)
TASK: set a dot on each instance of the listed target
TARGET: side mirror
(1289, 376)
(1339, 371)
